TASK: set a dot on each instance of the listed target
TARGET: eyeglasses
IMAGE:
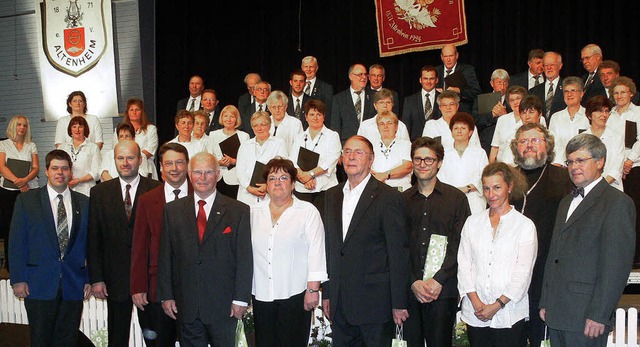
(572, 91)
(282, 178)
(417, 161)
(359, 75)
(199, 173)
(357, 152)
(260, 89)
(578, 162)
(179, 162)
(451, 104)
(534, 141)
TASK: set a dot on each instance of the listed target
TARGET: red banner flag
(419, 25)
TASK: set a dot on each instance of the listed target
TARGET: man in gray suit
(591, 251)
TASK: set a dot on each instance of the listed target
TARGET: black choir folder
(256, 176)
(456, 79)
(230, 146)
(487, 101)
(20, 168)
(630, 133)
(307, 159)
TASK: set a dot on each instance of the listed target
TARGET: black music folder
(307, 159)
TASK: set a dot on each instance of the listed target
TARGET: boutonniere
(227, 230)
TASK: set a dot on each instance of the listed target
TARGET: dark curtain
(224, 40)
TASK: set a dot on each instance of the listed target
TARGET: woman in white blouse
(598, 111)
(17, 146)
(463, 164)
(85, 156)
(146, 134)
(497, 252)
(392, 160)
(283, 125)
(231, 121)
(567, 123)
(289, 263)
(77, 106)
(262, 148)
(311, 185)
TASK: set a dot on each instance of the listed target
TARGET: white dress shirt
(95, 129)
(287, 254)
(86, 160)
(397, 153)
(311, 86)
(495, 266)
(193, 147)
(230, 177)
(532, 80)
(132, 190)
(369, 129)
(11, 152)
(196, 103)
(170, 196)
(251, 152)
(578, 199)
(439, 127)
(614, 142)
(350, 201)
(288, 128)
(564, 129)
(327, 145)
(460, 171)
(66, 200)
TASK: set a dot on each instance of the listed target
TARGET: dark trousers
(561, 338)
(282, 323)
(158, 329)
(53, 322)
(490, 337)
(119, 321)
(345, 334)
(7, 200)
(631, 186)
(198, 334)
(432, 322)
(535, 325)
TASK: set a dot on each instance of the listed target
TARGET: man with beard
(533, 151)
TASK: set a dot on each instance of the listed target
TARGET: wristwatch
(313, 290)
(502, 304)
(313, 174)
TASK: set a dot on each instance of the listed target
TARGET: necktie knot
(60, 197)
(577, 191)
(449, 71)
(176, 192)
(358, 92)
(201, 203)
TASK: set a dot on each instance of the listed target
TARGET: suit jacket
(558, 99)
(467, 94)
(35, 252)
(486, 124)
(372, 264)
(110, 235)
(324, 91)
(594, 88)
(204, 278)
(214, 123)
(291, 108)
(182, 104)
(589, 259)
(145, 247)
(413, 113)
(344, 119)
(522, 80)
(244, 107)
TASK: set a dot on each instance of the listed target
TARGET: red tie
(202, 219)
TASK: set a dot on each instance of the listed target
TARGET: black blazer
(205, 277)
(182, 104)
(468, 93)
(413, 113)
(214, 124)
(486, 124)
(110, 235)
(291, 108)
(369, 270)
(558, 98)
(344, 120)
(594, 88)
(589, 259)
(324, 91)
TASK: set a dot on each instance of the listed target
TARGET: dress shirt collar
(132, 190)
(590, 187)
(209, 202)
(168, 191)
(353, 91)
(414, 192)
(357, 189)
(53, 195)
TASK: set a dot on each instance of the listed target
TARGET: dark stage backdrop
(224, 40)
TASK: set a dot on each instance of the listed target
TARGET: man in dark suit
(470, 89)
(434, 303)
(591, 57)
(486, 121)
(533, 76)
(353, 105)
(48, 255)
(261, 92)
(317, 88)
(548, 185)
(591, 251)
(422, 106)
(367, 246)
(550, 92)
(112, 209)
(377, 75)
(247, 99)
(206, 263)
(211, 105)
(145, 248)
(297, 97)
(194, 101)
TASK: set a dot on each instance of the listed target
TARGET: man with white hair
(486, 121)
(591, 57)
(315, 87)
